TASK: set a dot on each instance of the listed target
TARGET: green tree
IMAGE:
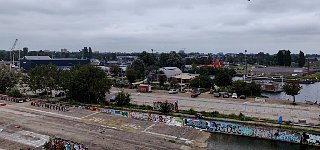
(87, 84)
(280, 57)
(242, 88)
(239, 87)
(301, 59)
(174, 82)
(284, 58)
(7, 79)
(123, 99)
(131, 75)
(162, 78)
(15, 93)
(202, 81)
(223, 78)
(207, 70)
(148, 59)
(171, 59)
(292, 88)
(139, 67)
(255, 89)
(115, 70)
(287, 58)
(43, 77)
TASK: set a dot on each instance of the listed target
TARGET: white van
(234, 95)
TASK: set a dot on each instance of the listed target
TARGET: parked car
(242, 97)
(195, 94)
(234, 95)
(225, 95)
(173, 91)
(113, 98)
(216, 94)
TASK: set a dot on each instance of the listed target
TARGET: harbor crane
(12, 53)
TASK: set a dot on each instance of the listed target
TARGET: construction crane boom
(14, 45)
(12, 52)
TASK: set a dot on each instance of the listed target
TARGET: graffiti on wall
(169, 120)
(222, 127)
(115, 112)
(262, 133)
(201, 124)
(287, 136)
(313, 139)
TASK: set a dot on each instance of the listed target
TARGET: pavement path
(248, 108)
(95, 130)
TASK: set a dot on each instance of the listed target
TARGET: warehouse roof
(37, 57)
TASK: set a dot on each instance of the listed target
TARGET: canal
(219, 141)
(309, 92)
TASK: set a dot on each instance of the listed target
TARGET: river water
(218, 141)
(309, 92)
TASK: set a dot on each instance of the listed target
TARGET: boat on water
(306, 81)
(272, 87)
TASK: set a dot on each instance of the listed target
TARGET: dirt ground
(95, 130)
(207, 95)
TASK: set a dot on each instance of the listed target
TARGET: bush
(143, 107)
(191, 111)
(243, 88)
(215, 114)
(157, 87)
(165, 107)
(233, 116)
(123, 99)
(15, 93)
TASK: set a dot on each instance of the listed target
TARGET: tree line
(8, 79)
(82, 83)
(284, 58)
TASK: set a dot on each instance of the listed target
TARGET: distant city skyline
(206, 26)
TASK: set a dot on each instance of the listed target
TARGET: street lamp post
(181, 82)
(245, 107)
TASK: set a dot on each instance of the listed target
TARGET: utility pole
(308, 66)
(245, 59)
(181, 80)
(19, 59)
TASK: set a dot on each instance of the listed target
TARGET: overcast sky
(163, 25)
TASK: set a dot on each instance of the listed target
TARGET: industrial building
(29, 62)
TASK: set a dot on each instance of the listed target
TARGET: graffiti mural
(221, 127)
(175, 121)
(313, 139)
(262, 133)
(201, 124)
(115, 112)
(140, 116)
(230, 128)
(287, 136)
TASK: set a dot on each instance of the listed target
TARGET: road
(227, 106)
(26, 126)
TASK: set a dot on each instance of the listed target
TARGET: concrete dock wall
(224, 127)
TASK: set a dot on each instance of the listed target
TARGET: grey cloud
(134, 25)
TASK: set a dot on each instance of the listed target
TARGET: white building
(170, 71)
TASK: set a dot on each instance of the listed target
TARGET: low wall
(223, 127)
